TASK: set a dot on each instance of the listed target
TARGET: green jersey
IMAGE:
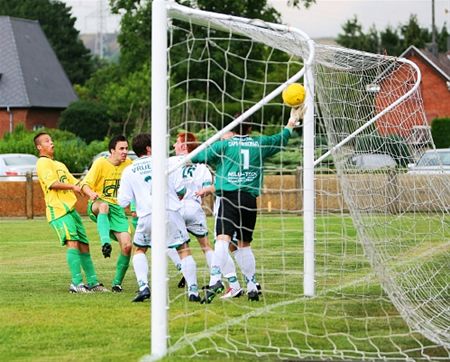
(240, 160)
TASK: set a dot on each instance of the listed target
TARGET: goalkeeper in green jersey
(59, 187)
(101, 185)
(239, 163)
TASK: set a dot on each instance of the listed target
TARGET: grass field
(350, 318)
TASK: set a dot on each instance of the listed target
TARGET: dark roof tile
(31, 73)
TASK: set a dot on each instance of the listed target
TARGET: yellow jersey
(58, 202)
(104, 178)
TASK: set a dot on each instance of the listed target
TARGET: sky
(88, 16)
(324, 19)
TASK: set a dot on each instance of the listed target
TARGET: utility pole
(100, 30)
(434, 47)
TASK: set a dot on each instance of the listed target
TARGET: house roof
(441, 62)
(31, 75)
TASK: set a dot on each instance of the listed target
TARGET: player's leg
(123, 260)
(178, 238)
(246, 261)
(229, 268)
(219, 259)
(196, 224)
(142, 241)
(173, 255)
(67, 237)
(74, 263)
(89, 270)
(140, 266)
(98, 211)
(189, 270)
(121, 232)
(227, 215)
(207, 249)
(244, 255)
(229, 273)
(85, 257)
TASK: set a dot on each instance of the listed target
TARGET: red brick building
(435, 85)
(407, 120)
(34, 88)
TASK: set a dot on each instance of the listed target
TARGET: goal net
(381, 234)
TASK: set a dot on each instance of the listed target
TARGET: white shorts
(176, 231)
(194, 218)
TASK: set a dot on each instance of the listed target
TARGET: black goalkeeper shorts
(236, 215)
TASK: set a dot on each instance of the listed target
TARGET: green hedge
(69, 149)
(440, 130)
(88, 120)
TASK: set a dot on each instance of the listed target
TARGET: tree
(88, 120)
(129, 101)
(373, 40)
(298, 3)
(353, 36)
(413, 34)
(442, 39)
(252, 9)
(440, 131)
(58, 25)
(390, 43)
(124, 88)
(99, 81)
(135, 33)
(135, 36)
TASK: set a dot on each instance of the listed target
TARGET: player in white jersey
(197, 179)
(136, 185)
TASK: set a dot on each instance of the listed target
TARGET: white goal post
(389, 261)
(159, 102)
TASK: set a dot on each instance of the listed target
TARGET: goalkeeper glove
(297, 114)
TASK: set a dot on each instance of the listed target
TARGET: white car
(14, 166)
(432, 162)
(370, 161)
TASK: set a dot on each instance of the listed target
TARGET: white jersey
(194, 177)
(136, 185)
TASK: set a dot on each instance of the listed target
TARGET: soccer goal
(352, 251)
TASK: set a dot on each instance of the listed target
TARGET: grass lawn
(350, 318)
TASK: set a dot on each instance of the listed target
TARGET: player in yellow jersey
(59, 187)
(101, 185)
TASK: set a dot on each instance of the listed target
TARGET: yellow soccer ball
(293, 95)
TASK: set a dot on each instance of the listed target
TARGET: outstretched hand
(297, 114)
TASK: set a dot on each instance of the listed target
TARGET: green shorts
(70, 228)
(118, 220)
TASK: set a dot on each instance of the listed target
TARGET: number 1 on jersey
(246, 158)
